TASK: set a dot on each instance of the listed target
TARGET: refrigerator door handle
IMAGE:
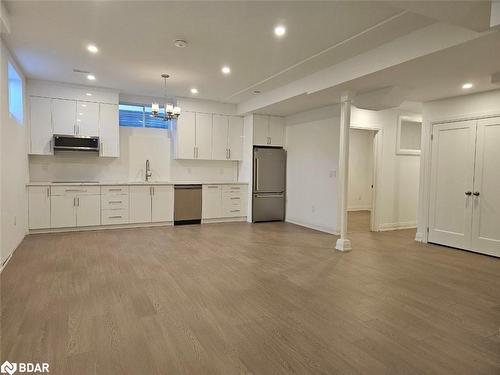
(280, 195)
(257, 174)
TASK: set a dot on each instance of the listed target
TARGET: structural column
(343, 243)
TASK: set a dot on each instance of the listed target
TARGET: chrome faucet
(148, 171)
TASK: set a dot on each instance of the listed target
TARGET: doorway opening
(362, 180)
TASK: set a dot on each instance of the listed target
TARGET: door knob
(476, 193)
(468, 193)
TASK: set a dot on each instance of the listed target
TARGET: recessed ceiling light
(91, 77)
(194, 91)
(180, 43)
(226, 69)
(88, 94)
(280, 30)
(92, 48)
(467, 86)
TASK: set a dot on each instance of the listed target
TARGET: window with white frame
(15, 94)
(139, 116)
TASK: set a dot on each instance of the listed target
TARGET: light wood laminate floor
(270, 298)
(358, 221)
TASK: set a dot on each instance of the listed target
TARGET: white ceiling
(435, 76)
(136, 45)
(136, 41)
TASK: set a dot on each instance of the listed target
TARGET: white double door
(465, 185)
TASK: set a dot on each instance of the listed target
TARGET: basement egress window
(139, 116)
(15, 94)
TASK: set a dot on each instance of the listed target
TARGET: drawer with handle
(114, 202)
(106, 190)
(75, 190)
(109, 217)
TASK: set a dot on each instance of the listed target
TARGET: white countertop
(107, 183)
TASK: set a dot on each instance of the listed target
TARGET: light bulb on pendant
(155, 109)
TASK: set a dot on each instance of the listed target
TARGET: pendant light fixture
(171, 112)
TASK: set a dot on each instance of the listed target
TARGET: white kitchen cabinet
(63, 211)
(235, 138)
(211, 202)
(260, 130)
(109, 135)
(276, 131)
(140, 204)
(162, 203)
(220, 137)
(185, 136)
(204, 136)
(268, 131)
(227, 141)
(87, 119)
(39, 207)
(234, 200)
(40, 126)
(88, 210)
(64, 116)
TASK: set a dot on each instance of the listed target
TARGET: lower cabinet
(140, 204)
(39, 207)
(224, 201)
(75, 206)
(162, 203)
(151, 204)
(211, 207)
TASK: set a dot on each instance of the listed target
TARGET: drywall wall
(136, 146)
(14, 166)
(397, 178)
(312, 143)
(360, 170)
(457, 108)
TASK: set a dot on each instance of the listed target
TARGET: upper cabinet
(69, 110)
(208, 136)
(64, 116)
(41, 126)
(87, 119)
(268, 130)
(108, 130)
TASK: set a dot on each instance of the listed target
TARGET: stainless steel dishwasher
(187, 204)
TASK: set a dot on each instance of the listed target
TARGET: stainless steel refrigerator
(269, 184)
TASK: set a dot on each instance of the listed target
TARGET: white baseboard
(312, 226)
(9, 257)
(101, 227)
(394, 226)
(359, 209)
(224, 220)
(420, 237)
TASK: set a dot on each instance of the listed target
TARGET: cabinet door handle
(115, 202)
(48, 192)
(78, 201)
(213, 186)
(234, 211)
(115, 189)
(468, 193)
(476, 193)
(194, 152)
(115, 217)
(229, 154)
(153, 190)
(235, 198)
